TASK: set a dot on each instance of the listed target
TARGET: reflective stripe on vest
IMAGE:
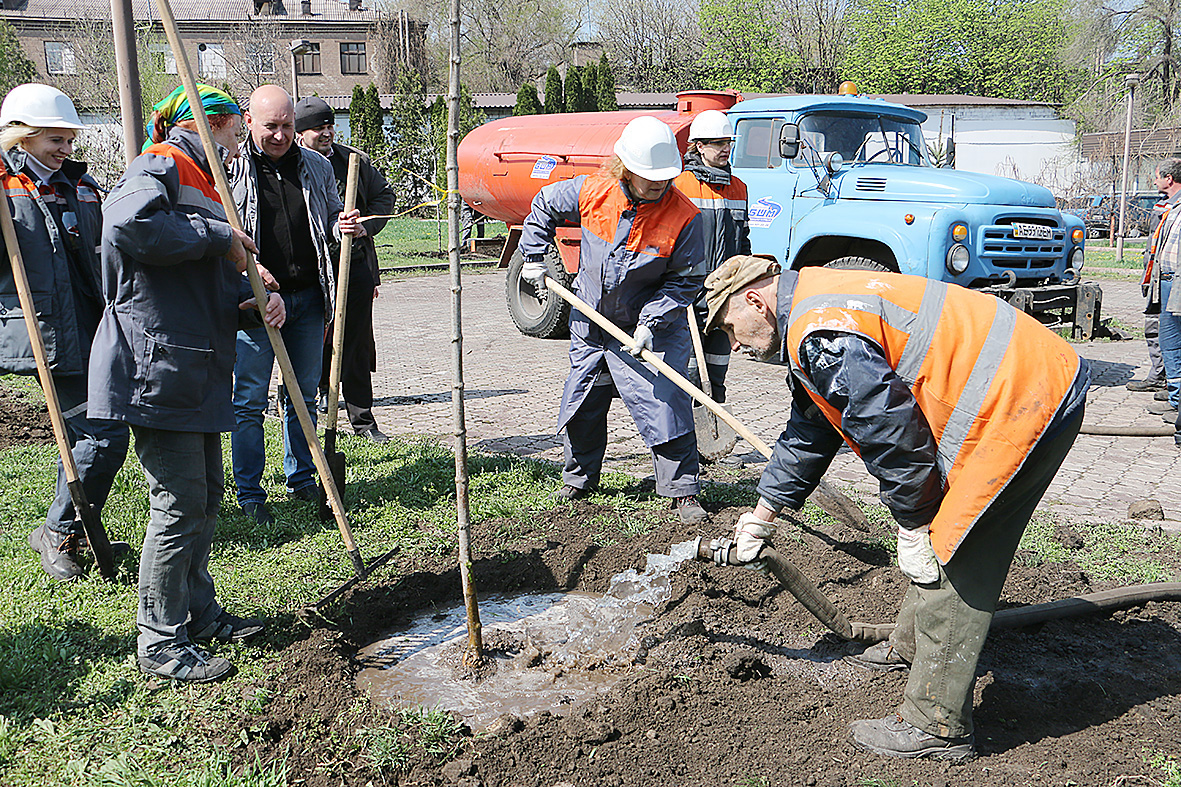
(988, 378)
(197, 189)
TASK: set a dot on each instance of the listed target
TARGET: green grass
(1102, 262)
(1110, 550)
(407, 242)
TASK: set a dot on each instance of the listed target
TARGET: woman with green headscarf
(163, 361)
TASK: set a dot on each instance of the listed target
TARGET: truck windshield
(862, 138)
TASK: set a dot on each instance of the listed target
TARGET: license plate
(1033, 231)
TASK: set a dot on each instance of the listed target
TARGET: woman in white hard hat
(721, 197)
(58, 216)
(641, 241)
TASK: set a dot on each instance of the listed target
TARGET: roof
(189, 11)
(1155, 142)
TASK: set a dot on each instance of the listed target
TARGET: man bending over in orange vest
(962, 407)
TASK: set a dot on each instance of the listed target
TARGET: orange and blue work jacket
(164, 352)
(942, 391)
(57, 227)
(721, 198)
(635, 267)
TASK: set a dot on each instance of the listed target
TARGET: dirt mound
(734, 683)
(23, 423)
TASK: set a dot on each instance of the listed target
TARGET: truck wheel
(543, 315)
(857, 264)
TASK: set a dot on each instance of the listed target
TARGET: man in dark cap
(315, 129)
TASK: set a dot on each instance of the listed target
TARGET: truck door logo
(544, 166)
(763, 212)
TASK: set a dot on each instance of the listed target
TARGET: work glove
(750, 534)
(916, 555)
(643, 339)
(533, 271)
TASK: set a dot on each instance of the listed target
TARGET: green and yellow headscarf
(174, 107)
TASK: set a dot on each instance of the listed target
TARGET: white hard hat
(711, 124)
(39, 106)
(648, 148)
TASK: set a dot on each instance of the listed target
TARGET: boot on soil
(882, 657)
(568, 493)
(893, 736)
(182, 661)
(59, 553)
(690, 511)
(230, 628)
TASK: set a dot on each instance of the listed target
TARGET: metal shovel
(715, 438)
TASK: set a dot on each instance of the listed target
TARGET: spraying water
(551, 650)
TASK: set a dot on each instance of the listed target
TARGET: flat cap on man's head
(312, 112)
(730, 277)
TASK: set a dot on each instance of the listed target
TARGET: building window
(261, 56)
(163, 58)
(352, 59)
(211, 61)
(59, 58)
(309, 61)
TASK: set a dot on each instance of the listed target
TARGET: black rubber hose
(1128, 431)
(721, 551)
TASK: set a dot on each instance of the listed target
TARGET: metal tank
(503, 164)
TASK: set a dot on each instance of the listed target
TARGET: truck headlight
(1076, 259)
(958, 257)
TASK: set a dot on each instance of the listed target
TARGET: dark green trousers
(941, 627)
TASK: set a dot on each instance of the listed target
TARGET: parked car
(1098, 210)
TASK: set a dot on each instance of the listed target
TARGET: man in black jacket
(315, 129)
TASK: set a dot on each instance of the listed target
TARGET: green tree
(743, 48)
(996, 48)
(574, 100)
(590, 88)
(527, 101)
(605, 99)
(469, 118)
(15, 68)
(358, 119)
(554, 100)
(411, 157)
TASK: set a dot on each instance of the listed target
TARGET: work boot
(1162, 395)
(690, 511)
(183, 661)
(1169, 417)
(322, 403)
(230, 628)
(893, 736)
(59, 553)
(259, 513)
(374, 435)
(568, 493)
(882, 657)
(1160, 408)
(308, 494)
(1147, 384)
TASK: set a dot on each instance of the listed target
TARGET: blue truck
(831, 180)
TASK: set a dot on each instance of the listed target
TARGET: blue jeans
(1170, 344)
(303, 336)
(99, 448)
(185, 487)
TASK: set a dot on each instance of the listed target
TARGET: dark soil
(23, 423)
(735, 683)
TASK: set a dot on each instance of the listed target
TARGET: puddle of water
(552, 650)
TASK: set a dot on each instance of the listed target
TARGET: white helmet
(711, 124)
(39, 106)
(648, 148)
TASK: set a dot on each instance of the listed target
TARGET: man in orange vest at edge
(962, 407)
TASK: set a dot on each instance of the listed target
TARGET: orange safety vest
(197, 189)
(988, 378)
(655, 227)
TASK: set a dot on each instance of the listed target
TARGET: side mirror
(789, 141)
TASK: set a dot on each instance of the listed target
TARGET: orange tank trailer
(503, 164)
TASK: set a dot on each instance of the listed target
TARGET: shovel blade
(715, 438)
(336, 468)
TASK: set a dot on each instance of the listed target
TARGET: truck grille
(871, 184)
(1001, 249)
